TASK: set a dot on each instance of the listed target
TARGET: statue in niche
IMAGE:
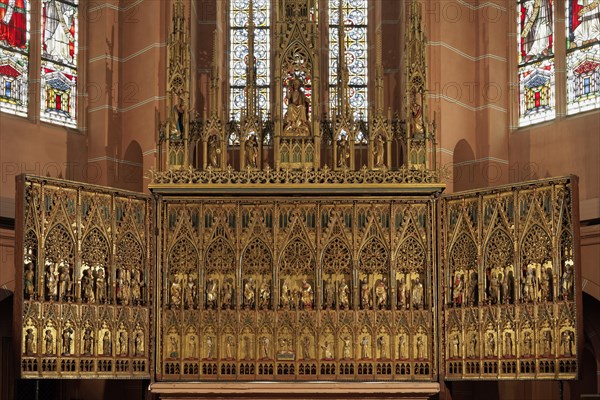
(566, 341)
(472, 294)
(507, 285)
(546, 285)
(547, 342)
(306, 348)
(328, 295)
(491, 345)
(174, 346)
(417, 293)
(382, 345)
(227, 295)
(381, 293)
(529, 285)
(527, 344)
(285, 349)
(286, 298)
(251, 149)
(136, 287)
(100, 286)
(249, 293)
(177, 115)
(124, 287)
(307, 295)
(508, 345)
(88, 341)
(106, 344)
(212, 287)
(416, 117)
(28, 281)
(472, 352)
(365, 294)
(343, 152)
(213, 151)
(175, 295)
(64, 283)
(378, 151)
(264, 294)
(229, 347)
(402, 293)
(344, 293)
(402, 346)
(49, 340)
(455, 346)
(52, 282)
(87, 286)
(138, 345)
(122, 343)
(364, 347)
(458, 288)
(209, 348)
(421, 347)
(347, 352)
(494, 289)
(327, 353)
(29, 340)
(264, 346)
(190, 292)
(296, 116)
(67, 339)
(192, 346)
(567, 281)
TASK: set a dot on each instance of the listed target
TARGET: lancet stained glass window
(14, 51)
(239, 15)
(354, 15)
(536, 61)
(583, 55)
(59, 62)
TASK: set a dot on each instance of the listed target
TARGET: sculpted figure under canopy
(296, 117)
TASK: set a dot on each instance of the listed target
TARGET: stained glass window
(583, 55)
(14, 60)
(354, 15)
(59, 62)
(536, 61)
(238, 57)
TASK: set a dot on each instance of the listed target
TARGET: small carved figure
(567, 343)
(547, 342)
(567, 281)
(381, 293)
(49, 339)
(174, 346)
(491, 345)
(306, 348)
(295, 119)
(417, 293)
(138, 344)
(175, 294)
(67, 339)
(229, 347)
(251, 149)
(192, 345)
(508, 345)
(507, 287)
(264, 341)
(401, 294)
(88, 341)
(264, 294)
(123, 344)
(327, 354)
(136, 287)
(106, 344)
(29, 340)
(473, 349)
(421, 350)
(455, 346)
(286, 297)
(209, 347)
(529, 285)
(87, 286)
(213, 151)
(527, 344)
(473, 289)
(307, 295)
(52, 282)
(249, 293)
(382, 345)
(212, 287)
(328, 295)
(416, 117)
(364, 347)
(365, 294)
(344, 294)
(457, 290)
(28, 279)
(378, 151)
(124, 288)
(64, 284)
(495, 288)
(177, 116)
(100, 286)
(347, 347)
(190, 292)
(343, 152)
(402, 346)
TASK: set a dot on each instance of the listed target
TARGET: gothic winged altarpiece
(297, 245)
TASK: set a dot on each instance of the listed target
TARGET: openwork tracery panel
(512, 314)
(86, 281)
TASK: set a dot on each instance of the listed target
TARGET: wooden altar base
(297, 390)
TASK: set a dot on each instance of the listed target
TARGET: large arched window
(239, 15)
(354, 20)
(583, 55)
(14, 56)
